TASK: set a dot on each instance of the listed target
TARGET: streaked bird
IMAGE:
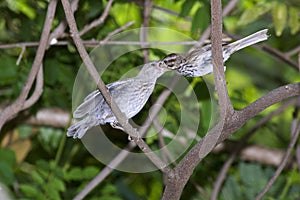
(199, 61)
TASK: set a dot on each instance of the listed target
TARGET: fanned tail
(78, 129)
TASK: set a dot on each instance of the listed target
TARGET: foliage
(279, 11)
(54, 167)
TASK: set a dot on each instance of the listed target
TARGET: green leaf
(294, 22)
(24, 131)
(279, 14)
(186, 8)
(8, 69)
(7, 156)
(43, 168)
(253, 178)
(109, 189)
(58, 185)
(231, 189)
(51, 71)
(74, 174)
(90, 172)
(21, 6)
(26, 10)
(37, 178)
(49, 138)
(254, 13)
(200, 19)
(30, 191)
(6, 173)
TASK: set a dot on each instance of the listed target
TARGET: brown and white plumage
(199, 61)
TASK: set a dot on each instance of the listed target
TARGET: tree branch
(186, 166)
(98, 21)
(144, 29)
(105, 92)
(58, 32)
(217, 60)
(228, 8)
(273, 97)
(38, 90)
(10, 111)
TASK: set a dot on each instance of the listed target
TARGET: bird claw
(116, 125)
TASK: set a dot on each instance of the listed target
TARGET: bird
(198, 62)
(130, 94)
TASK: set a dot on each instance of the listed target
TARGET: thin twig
(94, 43)
(21, 55)
(229, 7)
(292, 52)
(165, 151)
(98, 21)
(118, 30)
(59, 31)
(18, 105)
(104, 172)
(295, 134)
(280, 56)
(144, 29)
(105, 93)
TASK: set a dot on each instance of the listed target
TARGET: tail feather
(78, 129)
(249, 40)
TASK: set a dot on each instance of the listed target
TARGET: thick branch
(240, 146)
(244, 115)
(217, 59)
(185, 168)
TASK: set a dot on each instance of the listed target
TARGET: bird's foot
(116, 125)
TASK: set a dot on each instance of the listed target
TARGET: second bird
(199, 61)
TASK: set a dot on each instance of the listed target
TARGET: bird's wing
(89, 103)
(94, 100)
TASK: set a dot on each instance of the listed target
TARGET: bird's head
(172, 61)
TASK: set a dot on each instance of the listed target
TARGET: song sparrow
(199, 61)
